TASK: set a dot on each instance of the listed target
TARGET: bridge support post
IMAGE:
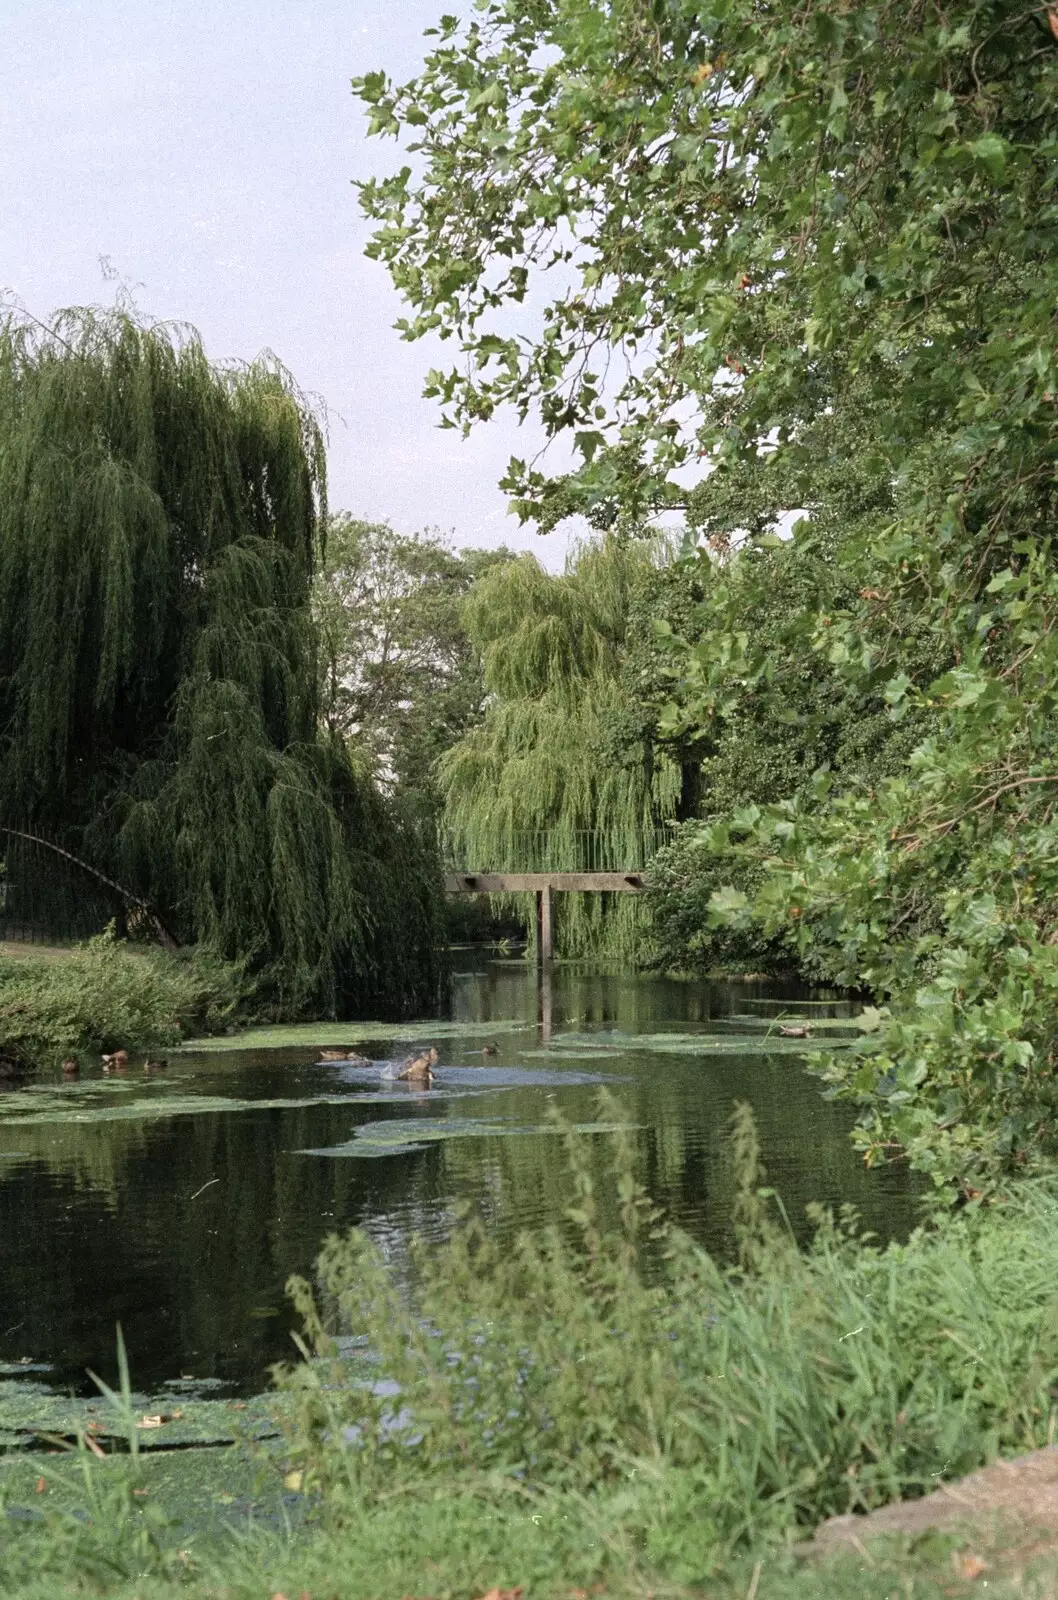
(545, 923)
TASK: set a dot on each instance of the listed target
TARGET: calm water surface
(178, 1206)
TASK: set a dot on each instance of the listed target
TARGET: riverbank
(457, 1547)
(572, 1419)
(106, 995)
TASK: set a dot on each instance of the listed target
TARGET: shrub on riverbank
(108, 995)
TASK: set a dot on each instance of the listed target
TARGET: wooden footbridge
(546, 880)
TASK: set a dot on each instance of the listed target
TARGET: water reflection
(184, 1227)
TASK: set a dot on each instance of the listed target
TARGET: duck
(337, 1055)
(70, 1068)
(486, 1051)
(419, 1068)
(118, 1058)
(800, 1030)
(156, 1066)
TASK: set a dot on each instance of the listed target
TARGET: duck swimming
(486, 1050)
(70, 1069)
(419, 1068)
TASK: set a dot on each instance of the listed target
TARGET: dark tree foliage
(160, 522)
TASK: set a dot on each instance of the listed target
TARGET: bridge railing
(547, 850)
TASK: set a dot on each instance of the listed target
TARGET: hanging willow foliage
(561, 774)
(160, 521)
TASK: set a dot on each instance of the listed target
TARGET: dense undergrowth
(604, 1405)
(108, 995)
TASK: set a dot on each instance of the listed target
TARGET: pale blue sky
(207, 151)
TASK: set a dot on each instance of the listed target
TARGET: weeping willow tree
(562, 773)
(160, 522)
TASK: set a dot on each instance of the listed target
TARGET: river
(178, 1204)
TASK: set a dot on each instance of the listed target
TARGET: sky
(204, 153)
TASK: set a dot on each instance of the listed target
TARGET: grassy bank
(108, 995)
(603, 1406)
(456, 1546)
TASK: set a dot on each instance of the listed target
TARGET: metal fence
(46, 898)
(549, 851)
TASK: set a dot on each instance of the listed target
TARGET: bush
(686, 935)
(106, 995)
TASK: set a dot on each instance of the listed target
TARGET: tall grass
(603, 1403)
(619, 1364)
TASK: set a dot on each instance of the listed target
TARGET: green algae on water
(308, 1035)
(404, 1135)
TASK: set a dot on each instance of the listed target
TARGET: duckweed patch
(154, 1109)
(309, 1035)
(399, 1136)
(34, 1415)
(600, 1045)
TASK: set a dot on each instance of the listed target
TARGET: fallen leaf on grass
(99, 1453)
(293, 1481)
(502, 1594)
(40, 1485)
(151, 1422)
(968, 1566)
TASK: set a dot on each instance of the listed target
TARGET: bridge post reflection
(544, 1000)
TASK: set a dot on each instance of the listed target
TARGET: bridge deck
(544, 885)
(536, 882)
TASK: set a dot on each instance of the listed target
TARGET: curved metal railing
(49, 895)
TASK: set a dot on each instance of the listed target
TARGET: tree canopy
(160, 523)
(562, 772)
(400, 676)
(810, 250)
